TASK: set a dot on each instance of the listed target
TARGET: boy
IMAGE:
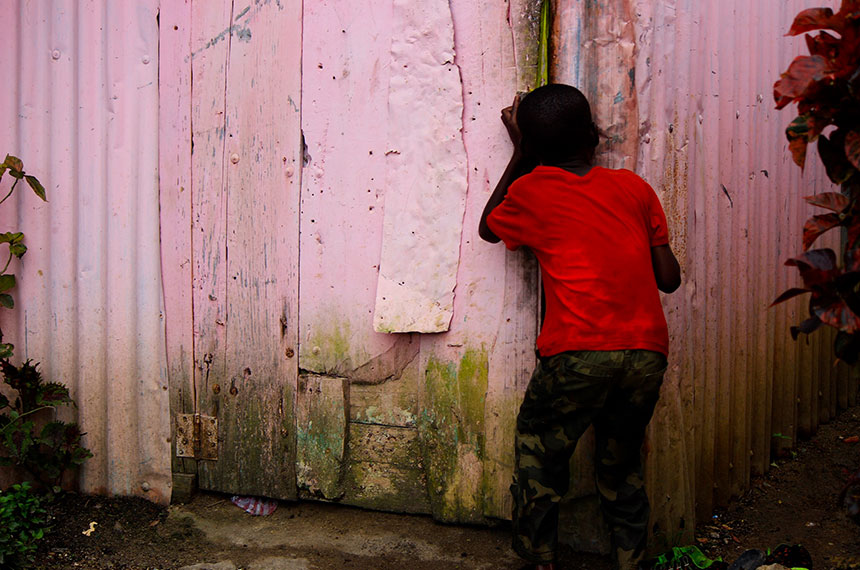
(601, 240)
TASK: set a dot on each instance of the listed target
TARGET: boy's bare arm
(517, 166)
(512, 172)
(666, 268)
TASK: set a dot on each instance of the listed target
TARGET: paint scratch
(726, 192)
(242, 13)
(243, 33)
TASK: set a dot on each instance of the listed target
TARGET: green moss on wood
(451, 425)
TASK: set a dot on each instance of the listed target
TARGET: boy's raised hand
(509, 118)
(517, 166)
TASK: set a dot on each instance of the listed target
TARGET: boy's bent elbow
(669, 286)
(486, 233)
(667, 271)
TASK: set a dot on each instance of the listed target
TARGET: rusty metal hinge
(196, 436)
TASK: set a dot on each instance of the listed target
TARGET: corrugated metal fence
(80, 107)
(711, 143)
(682, 87)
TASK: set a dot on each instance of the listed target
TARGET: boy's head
(555, 121)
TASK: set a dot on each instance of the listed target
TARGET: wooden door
(239, 103)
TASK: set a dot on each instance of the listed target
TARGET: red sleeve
(658, 230)
(507, 220)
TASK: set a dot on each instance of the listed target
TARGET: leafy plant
(24, 522)
(826, 87)
(44, 452)
(14, 240)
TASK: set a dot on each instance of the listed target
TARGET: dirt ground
(796, 502)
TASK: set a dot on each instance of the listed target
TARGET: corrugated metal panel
(711, 143)
(82, 87)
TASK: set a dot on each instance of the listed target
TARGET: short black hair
(556, 124)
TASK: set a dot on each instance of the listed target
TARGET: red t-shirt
(592, 236)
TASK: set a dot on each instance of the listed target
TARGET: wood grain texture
(321, 434)
(246, 161)
(175, 201)
(345, 77)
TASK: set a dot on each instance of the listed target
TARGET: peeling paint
(427, 179)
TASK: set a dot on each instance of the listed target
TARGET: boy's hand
(517, 166)
(509, 118)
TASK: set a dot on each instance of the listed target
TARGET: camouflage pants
(614, 390)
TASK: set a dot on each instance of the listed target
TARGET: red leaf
(813, 19)
(850, 9)
(817, 225)
(832, 154)
(845, 63)
(823, 44)
(803, 72)
(836, 314)
(833, 201)
(808, 326)
(852, 248)
(852, 148)
(790, 294)
(817, 266)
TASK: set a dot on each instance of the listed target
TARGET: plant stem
(12, 189)
(25, 414)
(8, 261)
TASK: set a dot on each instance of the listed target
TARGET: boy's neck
(577, 165)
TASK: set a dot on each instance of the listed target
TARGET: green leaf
(798, 134)
(53, 394)
(7, 301)
(11, 237)
(13, 163)
(4, 402)
(6, 350)
(7, 281)
(18, 250)
(36, 186)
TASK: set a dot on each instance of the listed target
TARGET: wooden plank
(386, 487)
(174, 167)
(511, 365)
(396, 446)
(345, 74)
(451, 427)
(495, 301)
(388, 400)
(321, 429)
(209, 50)
(251, 318)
